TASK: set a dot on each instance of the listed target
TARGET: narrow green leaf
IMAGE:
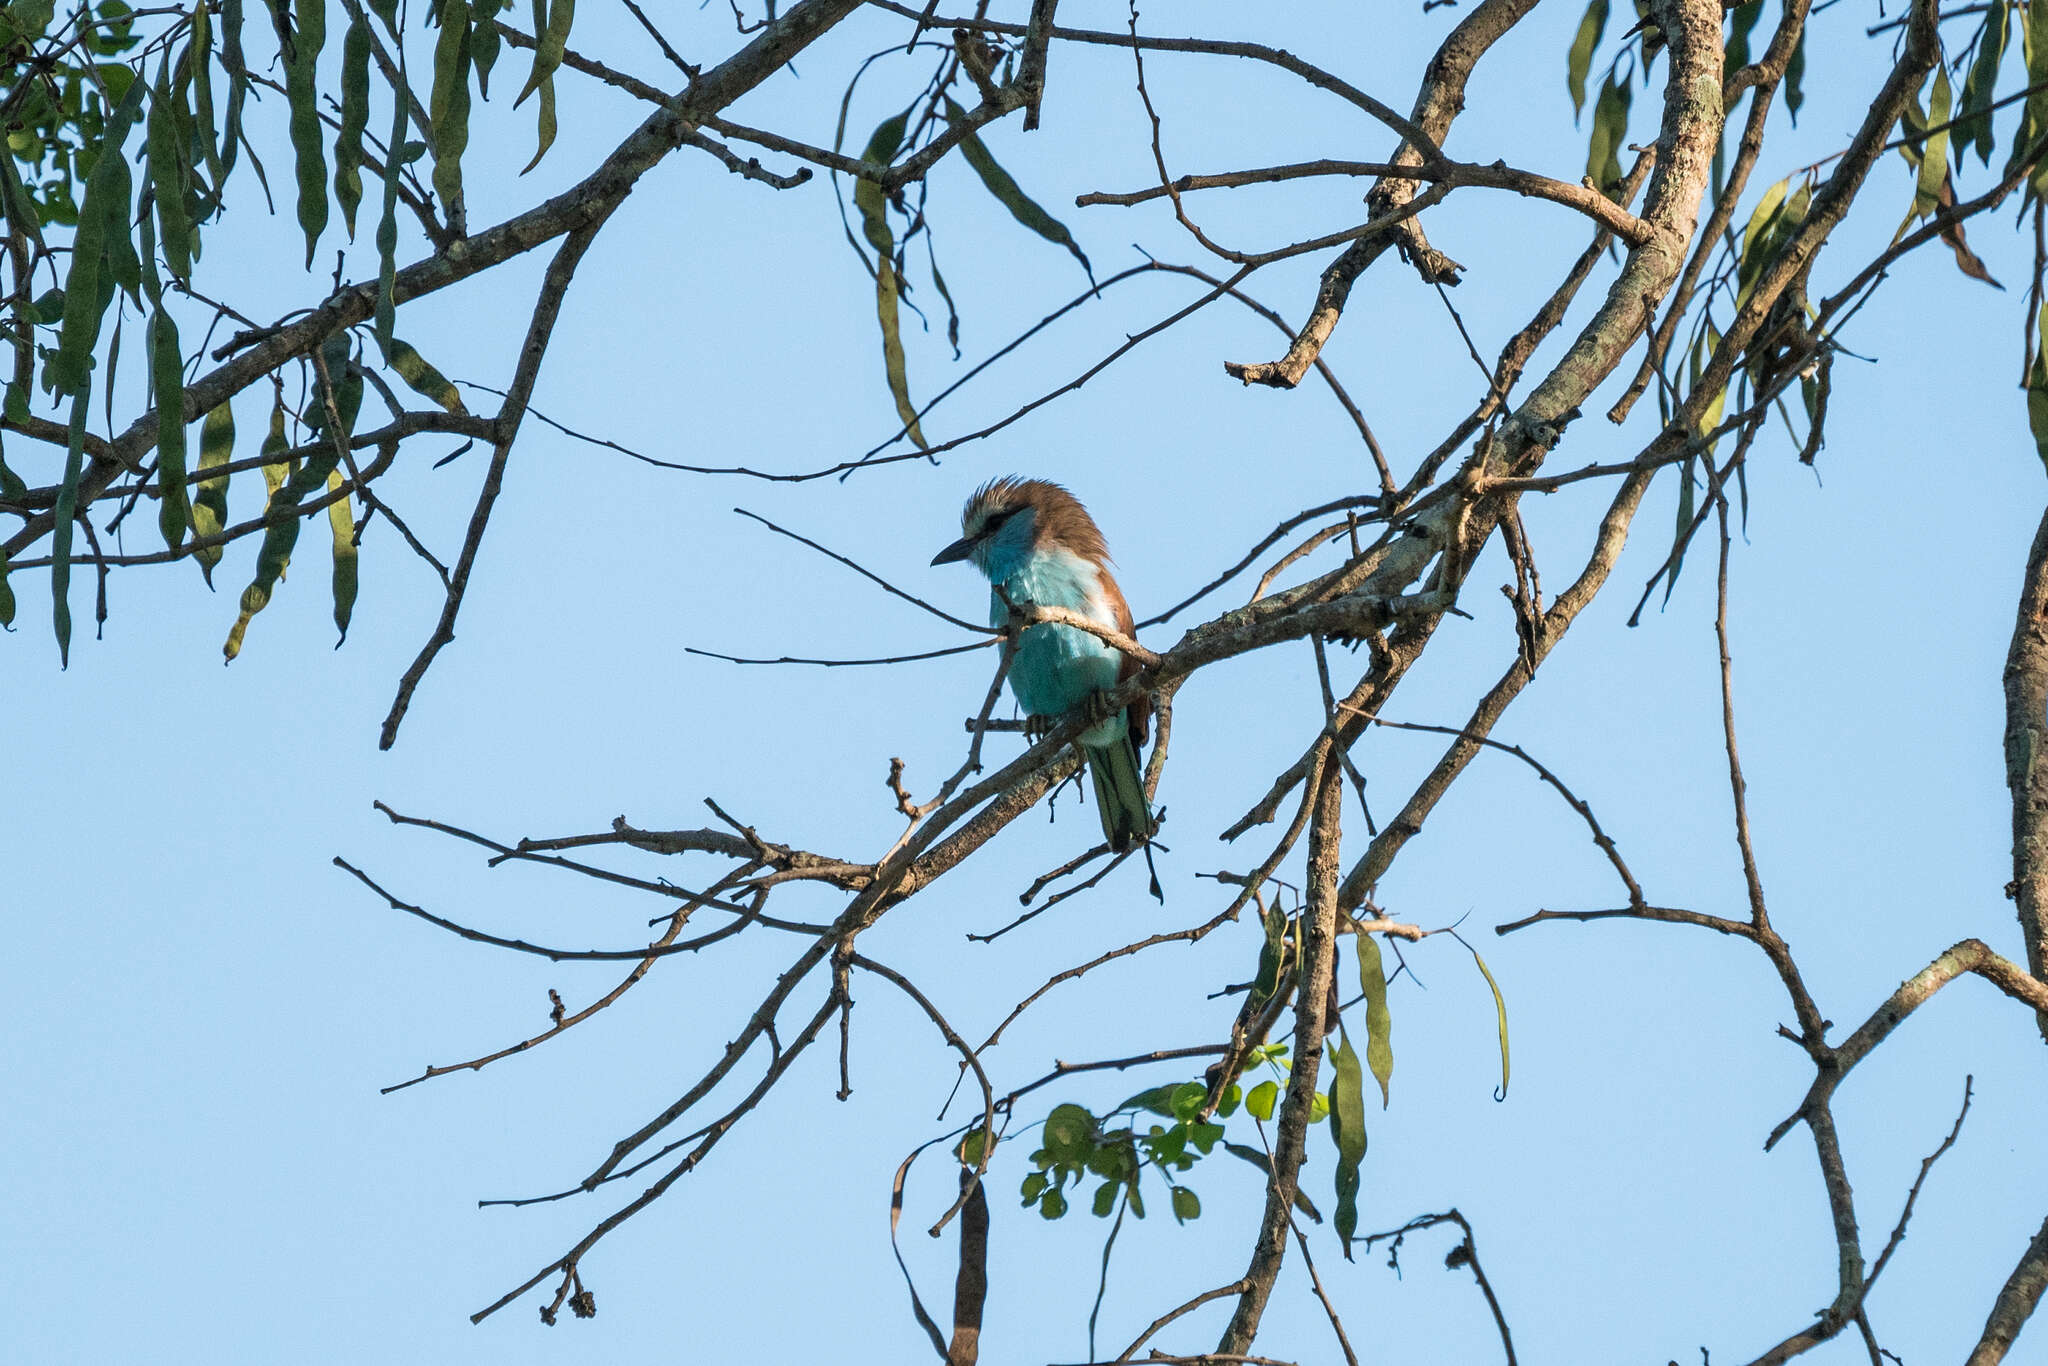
(449, 105)
(1741, 23)
(1265, 1164)
(1379, 1022)
(1933, 152)
(1500, 1010)
(167, 369)
(210, 500)
(1981, 84)
(1271, 956)
(355, 117)
(1347, 1131)
(1007, 192)
(1610, 132)
(1584, 43)
(1795, 76)
(552, 42)
(302, 94)
(343, 523)
(2037, 387)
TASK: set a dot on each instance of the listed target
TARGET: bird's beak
(955, 552)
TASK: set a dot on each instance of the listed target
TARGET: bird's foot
(1036, 728)
(1097, 708)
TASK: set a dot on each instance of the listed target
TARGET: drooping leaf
(1610, 132)
(1265, 1164)
(1580, 59)
(1379, 1022)
(1186, 1205)
(1011, 196)
(210, 500)
(355, 118)
(1981, 84)
(1270, 957)
(1347, 1131)
(2037, 387)
(1795, 77)
(1933, 152)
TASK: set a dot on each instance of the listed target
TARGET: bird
(1037, 546)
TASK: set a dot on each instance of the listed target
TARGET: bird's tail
(1120, 793)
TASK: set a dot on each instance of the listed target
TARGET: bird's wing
(1140, 711)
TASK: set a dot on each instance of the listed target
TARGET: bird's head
(1010, 518)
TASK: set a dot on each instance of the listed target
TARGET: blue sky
(204, 1169)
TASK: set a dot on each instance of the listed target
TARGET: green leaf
(1379, 1023)
(1158, 1100)
(1105, 1198)
(421, 377)
(1232, 1098)
(1981, 84)
(6, 593)
(1500, 1008)
(1610, 131)
(210, 502)
(1187, 1100)
(1053, 1205)
(343, 523)
(1271, 956)
(1795, 75)
(1259, 1101)
(1584, 43)
(968, 1149)
(1069, 1135)
(301, 74)
(1347, 1131)
(1265, 1164)
(448, 107)
(1007, 192)
(2037, 386)
(1741, 23)
(1932, 154)
(355, 118)
(484, 42)
(1033, 1187)
(167, 368)
(1186, 1205)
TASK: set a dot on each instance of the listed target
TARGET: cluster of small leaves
(56, 91)
(891, 223)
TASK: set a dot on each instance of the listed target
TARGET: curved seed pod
(282, 536)
(355, 117)
(545, 127)
(6, 594)
(64, 513)
(102, 215)
(1347, 1130)
(449, 106)
(484, 43)
(1011, 196)
(874, 216)
(302, 94)
(199, 57)
(1379, 1024)
(343, 523)
(170, 176)
(238, 86)
(210, 501)
(552, 41)
(421, 377)
(387, 224)
(167, 367)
